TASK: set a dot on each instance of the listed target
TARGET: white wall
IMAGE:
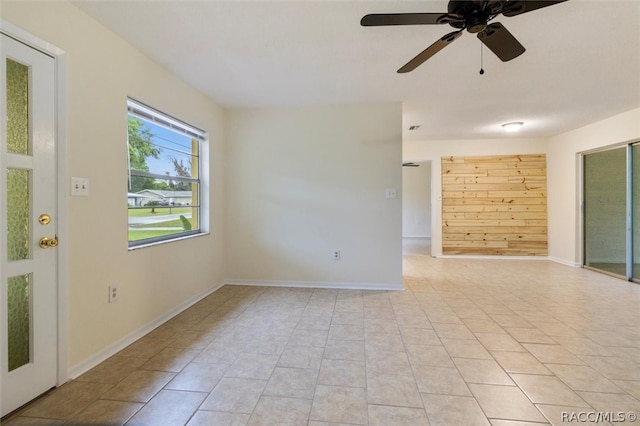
(564, 173)
(304, 182)
(417, 151)
(416, 200)
(102, 70)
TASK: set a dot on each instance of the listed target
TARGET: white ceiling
(582, 61)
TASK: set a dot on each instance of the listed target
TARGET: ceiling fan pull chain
(481, 60)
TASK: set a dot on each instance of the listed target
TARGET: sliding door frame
(629, 210)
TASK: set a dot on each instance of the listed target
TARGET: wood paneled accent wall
(494, 205)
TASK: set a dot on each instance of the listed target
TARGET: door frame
(435, 201)
(60, 60)
(630, 211)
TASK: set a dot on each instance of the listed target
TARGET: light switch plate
(390, 193)
(80, 186)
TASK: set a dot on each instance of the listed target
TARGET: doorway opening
(417, 208)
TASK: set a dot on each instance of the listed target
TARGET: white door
(28, 222)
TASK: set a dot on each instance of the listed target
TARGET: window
(164, 186)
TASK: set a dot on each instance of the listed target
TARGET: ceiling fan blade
(514, 8)
(430, 51)
(501, 42)
(378, 19)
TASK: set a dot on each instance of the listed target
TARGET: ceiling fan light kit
(474, 16)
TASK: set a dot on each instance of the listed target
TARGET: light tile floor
(501, 342)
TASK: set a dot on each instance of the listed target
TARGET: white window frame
(146, 113)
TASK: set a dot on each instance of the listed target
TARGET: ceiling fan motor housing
(474, 17)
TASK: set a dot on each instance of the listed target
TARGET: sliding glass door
(612, 211)
(605, 194)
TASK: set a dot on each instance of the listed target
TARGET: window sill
(172, 240)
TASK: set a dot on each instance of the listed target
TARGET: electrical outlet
(114, 293)
(336, 255)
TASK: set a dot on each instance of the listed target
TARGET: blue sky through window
(172, 144)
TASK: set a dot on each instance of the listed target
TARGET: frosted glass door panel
(605, 194)
(17, 108)
(18, 214)
(19, 312)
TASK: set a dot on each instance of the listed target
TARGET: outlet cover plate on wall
(79, 186)
(391, 193)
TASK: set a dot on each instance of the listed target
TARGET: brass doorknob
(46, 242)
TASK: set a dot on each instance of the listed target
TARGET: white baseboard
(417, 236)
(116, 347)
(316, 284)
(565, 262)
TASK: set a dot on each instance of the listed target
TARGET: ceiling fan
(410, 165)
(472, 15)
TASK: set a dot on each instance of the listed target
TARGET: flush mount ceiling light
(512, 127)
